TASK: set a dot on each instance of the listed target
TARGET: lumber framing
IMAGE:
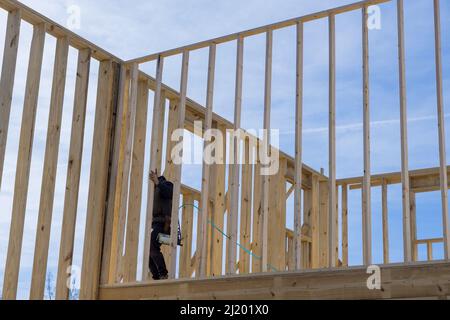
(23, 163)
(257, 244)
(7, 78)
(49, 172)
(404, 281)
(73, 174)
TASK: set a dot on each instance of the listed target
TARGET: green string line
(249, 252)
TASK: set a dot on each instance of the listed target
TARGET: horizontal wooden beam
(56, 30)
(415, 280)
(259, 30)
(390, 178)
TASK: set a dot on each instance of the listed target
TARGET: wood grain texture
(107, 90)
(49, 171)
(7, 79)
(73, 174)
(23, 163)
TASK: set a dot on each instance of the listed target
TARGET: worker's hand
(154, 177)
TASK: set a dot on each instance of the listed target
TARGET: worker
(162, 212)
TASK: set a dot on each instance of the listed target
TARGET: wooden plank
(123, 190)
(305, 230)
(332, 141)
(73, 174)
(404, 134)
(435, 240)
(366, 199)
(260, 30)
(23, 164)
(277, 220)
(344, 209)
(413, 226)
(441, 130)
(219, 208)
(121, 136)
(266, 179)
(153, 166)
(246, 208)
(7, 79)
(136, 181)
(385, 217)
(34, 18)
(172, 125)
(429, 251)
(204, 202)
(49, 171)
(257, 219)
(394, 178)
(298, 150)
(234, 166)
(115, 182)
(106, 99)
(186, 236)
(177, 178)
(324, 225)
(398, 282)
(315, 230)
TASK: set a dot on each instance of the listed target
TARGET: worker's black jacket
(162, 203)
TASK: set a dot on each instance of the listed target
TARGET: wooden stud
(315, 230)
(7, 79)
(110, 241)
(266, 179)
(23, 164)
(413, 225)
(324, 224)
(384, 193)
(277, 219)
(257, 219)
(430, 251)
(332, 142)
(49, 171)
(385, 217)
(404, 134)
(366, 201)
(204, 202)
(234, 166)
(153, 166)
(298, 150)
(344, 209)
(177, 179)
(246, 208)
(441, 130)
(130, 122)
(186, 235)
(73, 174)
(136, 180)
(98, 183)
(219, 171)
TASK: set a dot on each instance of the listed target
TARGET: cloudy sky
(129, 29)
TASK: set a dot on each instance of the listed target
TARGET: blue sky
(130, 29)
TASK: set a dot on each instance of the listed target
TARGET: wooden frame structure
(253, 203)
